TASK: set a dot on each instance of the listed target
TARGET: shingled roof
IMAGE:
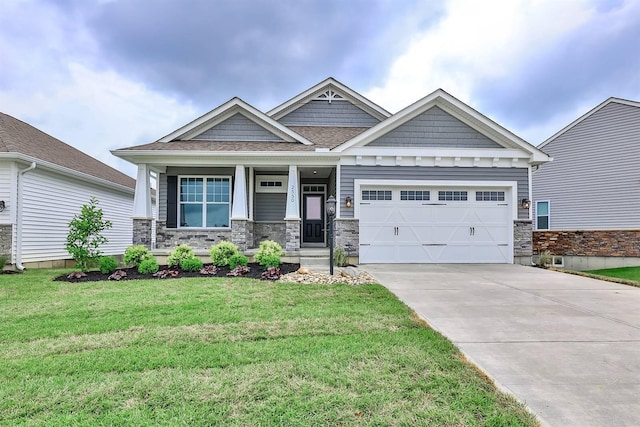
(19, 137)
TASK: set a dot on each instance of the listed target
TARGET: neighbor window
(205, 201)
(542, 215)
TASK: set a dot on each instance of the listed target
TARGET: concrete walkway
(566, 346)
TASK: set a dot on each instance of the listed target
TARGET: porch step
(316, 263)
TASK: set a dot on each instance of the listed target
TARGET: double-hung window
(542, 215)
(205, 201)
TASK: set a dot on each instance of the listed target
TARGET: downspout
(19, 265)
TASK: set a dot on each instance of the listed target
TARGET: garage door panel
(413, 231)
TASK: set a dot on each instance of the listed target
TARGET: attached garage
(436, 223)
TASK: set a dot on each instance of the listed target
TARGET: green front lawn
(626, 273)
(211, 351)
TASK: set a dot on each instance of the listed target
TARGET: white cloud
(96, 111)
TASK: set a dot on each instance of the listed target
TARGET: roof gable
(217, 116)
(238, 127)
(329, 91)
(22, 139)
(456, 109)
(434, 128)
(587, 115)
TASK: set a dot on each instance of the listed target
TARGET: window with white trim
(542, 215)
(489, 196)
(204, 201)
(271, 183)
(452, 195)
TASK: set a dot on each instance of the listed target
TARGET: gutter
(19, 265)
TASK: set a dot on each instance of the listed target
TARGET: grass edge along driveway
(229, 351)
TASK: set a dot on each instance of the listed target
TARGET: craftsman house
(435, 182)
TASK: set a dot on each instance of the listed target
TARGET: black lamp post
(331, 212)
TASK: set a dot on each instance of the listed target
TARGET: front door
(313, 218)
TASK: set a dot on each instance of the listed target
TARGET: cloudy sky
(105, 74)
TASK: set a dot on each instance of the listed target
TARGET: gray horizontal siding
(593, 181)
(434, 128)
(237, 128)
(350, 173)
(270, 206)
(323, 113)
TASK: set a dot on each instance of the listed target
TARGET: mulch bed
(132, 273)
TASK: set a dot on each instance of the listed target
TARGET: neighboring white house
(43, 184)
(435, 182)
(586, 203)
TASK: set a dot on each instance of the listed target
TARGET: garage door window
(452, 195)
(489, 196)
(376, 194)
(414, 195)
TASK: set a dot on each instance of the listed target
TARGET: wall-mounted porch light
(525, 203)
(347, 201)
(2, 205)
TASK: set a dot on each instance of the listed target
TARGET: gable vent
(329, 95)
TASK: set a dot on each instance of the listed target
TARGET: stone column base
(242, 233)
(142, 231)
(347, 235)
(522, 238)
(292, 235)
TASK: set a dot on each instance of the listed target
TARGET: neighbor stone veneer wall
(169, 238)
(522, 238)
(346, 235)
(275, 231)
(599, 243)
(6, 233)
(142, 232)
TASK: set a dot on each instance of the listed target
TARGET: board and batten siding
(593, 182)
(340, 113)
(348, 174)
(434, 128)
(51, 200)
(237, 128)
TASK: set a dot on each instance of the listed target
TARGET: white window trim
(548, 215)
(284, 179)
(204, 202)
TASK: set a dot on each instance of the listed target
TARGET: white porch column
(142, 198)
(239, 207)
(293, 195)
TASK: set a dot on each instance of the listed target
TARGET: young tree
(84, 238)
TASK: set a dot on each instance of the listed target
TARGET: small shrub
(148, 266)
(117, 275)
(545, 259)
(222, 251)
(236, 260)
(239, 271)
(107, 264)
(164, 274)
(3, 261)
(191, 264)
(85, 235)
(179, 254)
(340, 257)
(135, 254)
(268, 252)
(272, 273)
(209, 270)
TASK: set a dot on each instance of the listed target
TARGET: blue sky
(105, 74)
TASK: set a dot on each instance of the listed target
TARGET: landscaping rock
(348, 276)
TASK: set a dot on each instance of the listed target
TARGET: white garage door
(435, 225)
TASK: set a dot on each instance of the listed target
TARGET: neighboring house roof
(589, 114)
(20, 138)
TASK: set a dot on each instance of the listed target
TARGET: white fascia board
(226, 110)
(587, 115)
(439, 152)
(369, 106)
(207, 158)
(69, 172)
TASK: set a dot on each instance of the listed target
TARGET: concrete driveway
(566, 346)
